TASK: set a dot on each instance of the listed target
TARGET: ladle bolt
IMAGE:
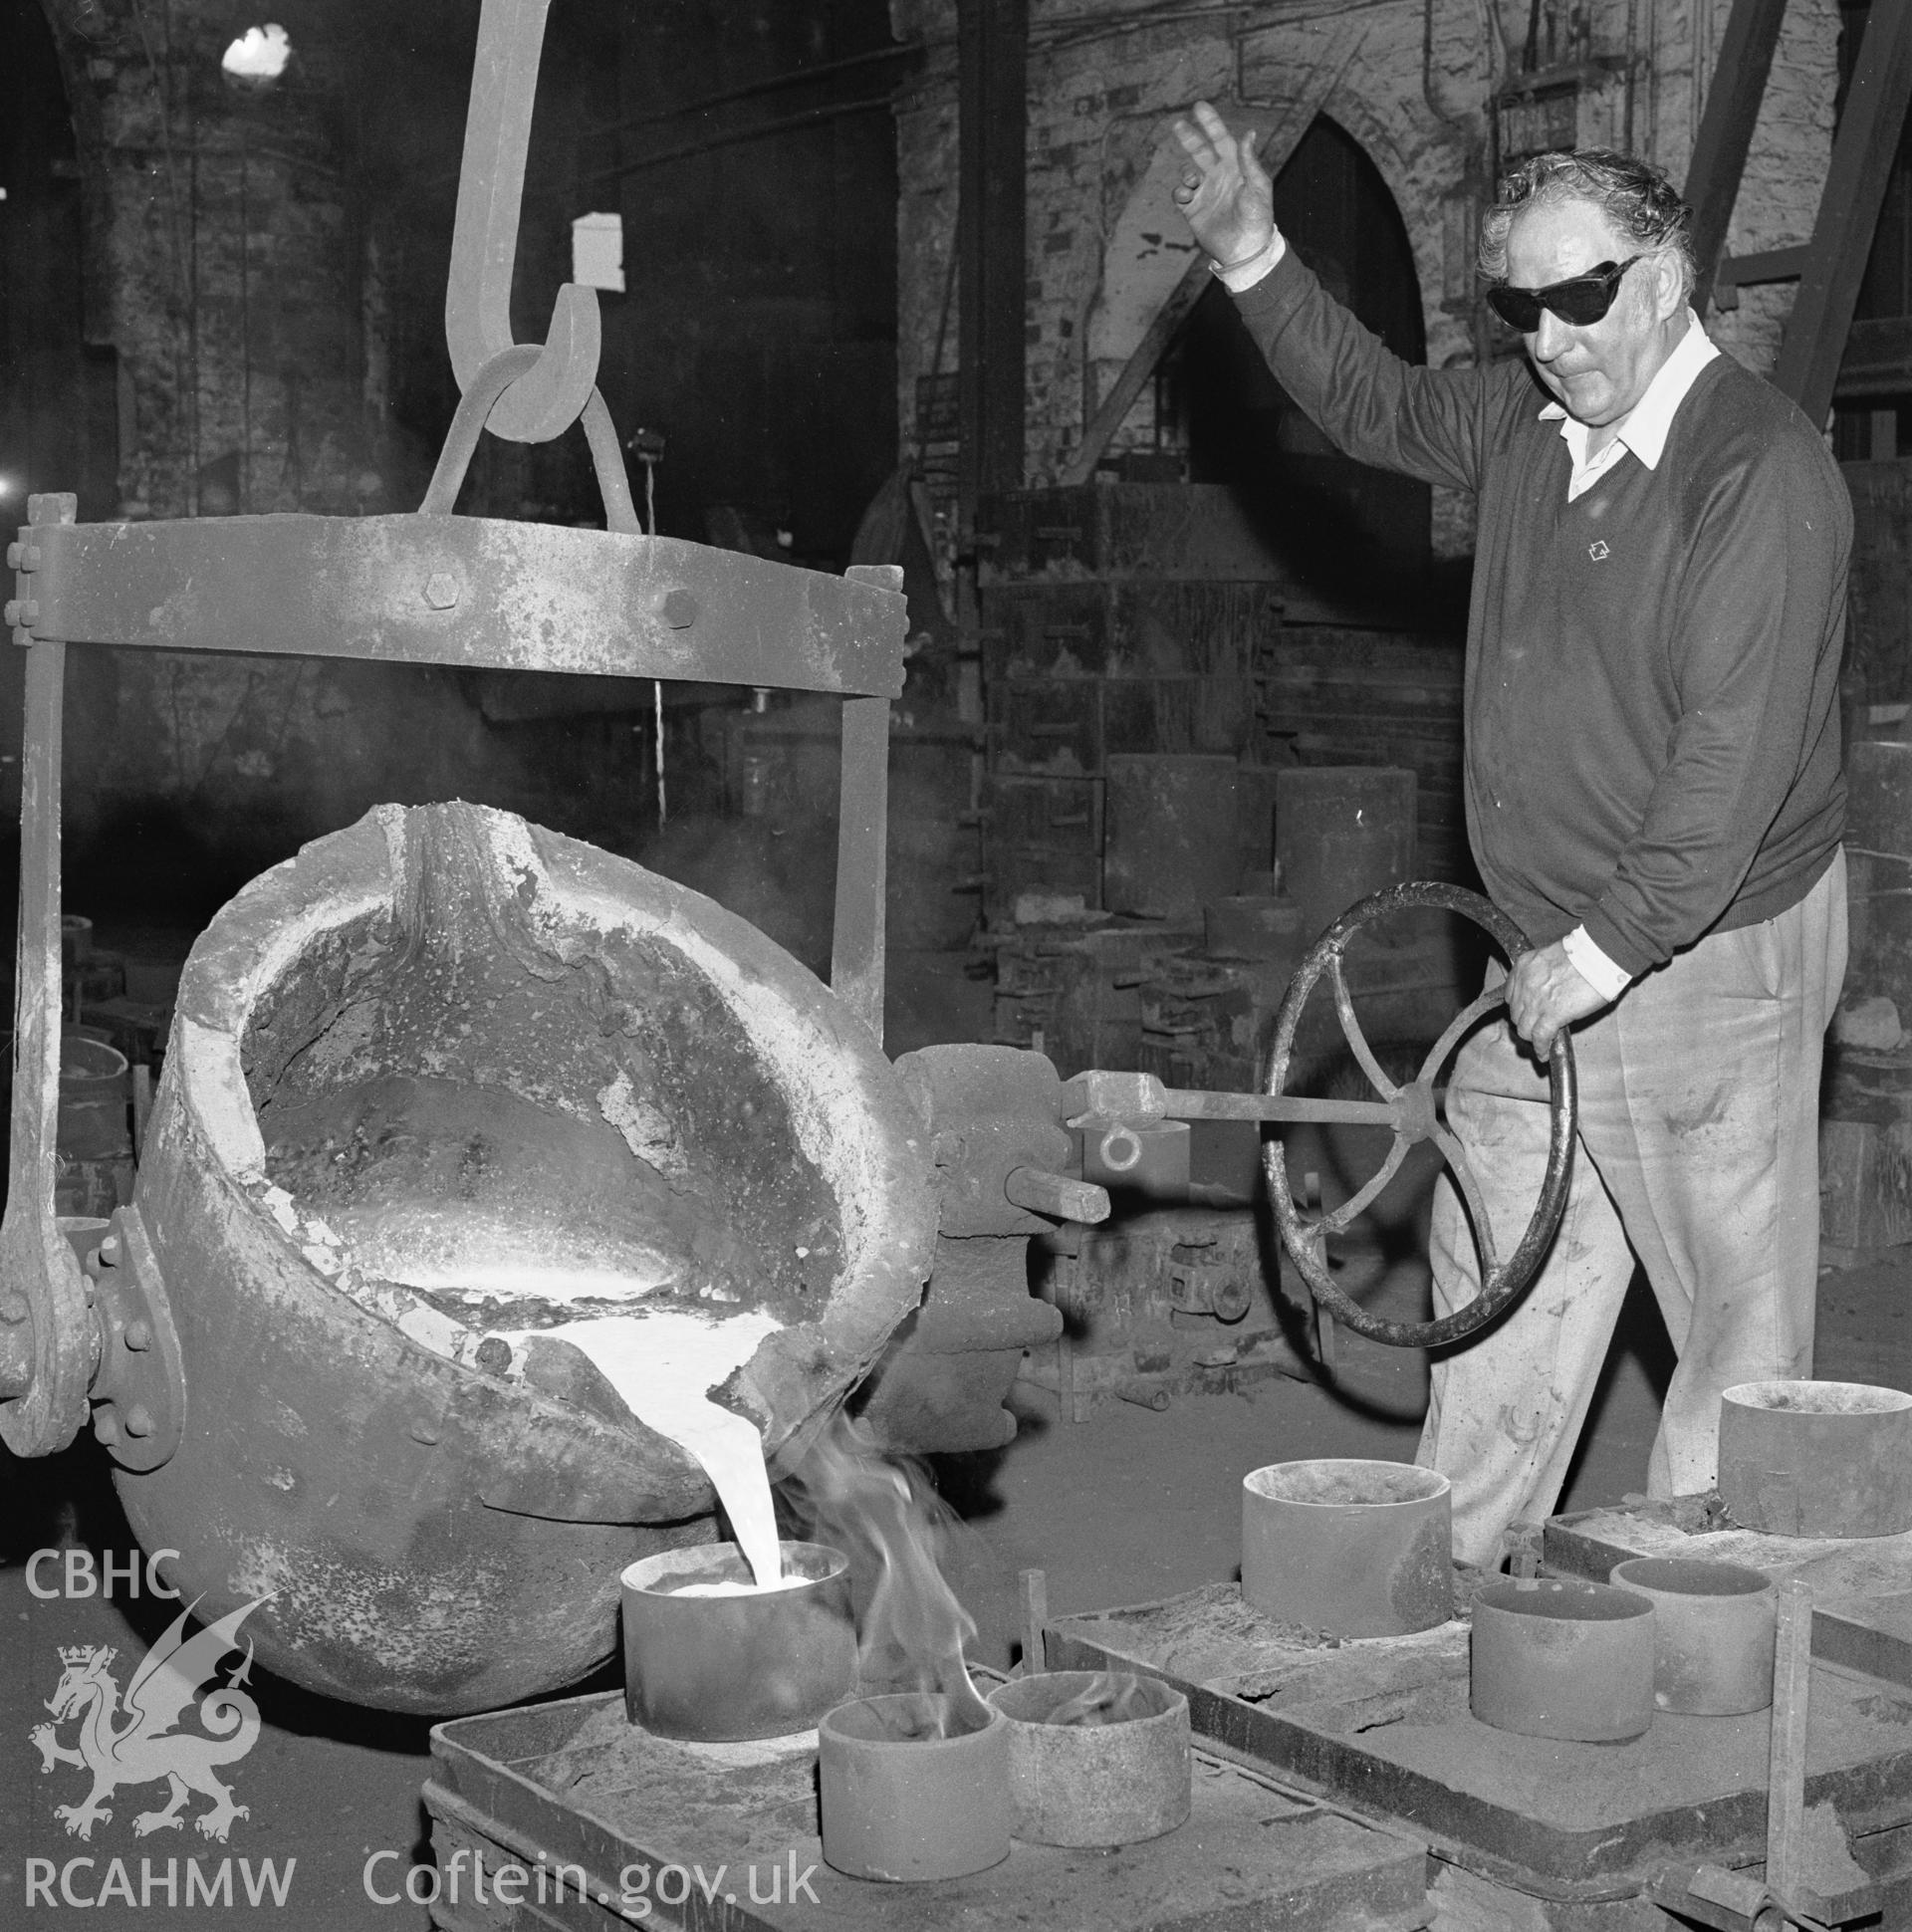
(14, 1308)
(139, 1420)
(678, 610)
(441, 591)
(138, 1335)
(494, 1354)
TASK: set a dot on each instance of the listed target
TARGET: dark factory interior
(724, 650)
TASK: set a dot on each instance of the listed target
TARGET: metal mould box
(633, 1821)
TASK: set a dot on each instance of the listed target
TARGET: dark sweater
(1653, 671)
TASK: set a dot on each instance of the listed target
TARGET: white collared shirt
(1644, 428)
(1642, 432)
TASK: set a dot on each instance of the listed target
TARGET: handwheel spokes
(1459, 1027)
(1351, 1028)
(1414, 1116)
(1457, 1163)
(1357, 1204)
(1337, 1113)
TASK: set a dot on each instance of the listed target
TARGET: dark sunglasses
(1578, 301)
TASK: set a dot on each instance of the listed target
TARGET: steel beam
(48, 1342)
(858, 947)
(463, 591)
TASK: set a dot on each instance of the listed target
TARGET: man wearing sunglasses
(1653, 794)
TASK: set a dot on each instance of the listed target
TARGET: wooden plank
(1767, 265)
(1855, 183)
(1139, 368)
(1035, 1600)
(1877, 359)
(1726, 132)
(1276, 146)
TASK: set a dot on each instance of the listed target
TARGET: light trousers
(1697, 1156)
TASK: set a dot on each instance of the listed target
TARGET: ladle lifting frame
(87, 1321)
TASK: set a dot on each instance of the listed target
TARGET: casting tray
(577, 1783)
(1862, 1585)
(1382, 1725)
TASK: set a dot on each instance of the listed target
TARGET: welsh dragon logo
(135, 1741)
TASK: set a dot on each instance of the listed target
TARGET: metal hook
(493, 380)
(547, 398)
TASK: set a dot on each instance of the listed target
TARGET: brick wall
(1410, 80)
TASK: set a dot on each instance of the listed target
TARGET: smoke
(885, 1517)
(1116, 1697)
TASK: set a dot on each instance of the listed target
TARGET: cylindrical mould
(1555, 1657)
(760, 1664)
(912, 1787)
(93, 1154)
(1713, 1627)
(1358, 1548)
(1122, 1775)
(1816, 1459)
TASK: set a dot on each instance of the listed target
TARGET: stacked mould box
(1123, 623)
(1116, 619)
(1334, 695)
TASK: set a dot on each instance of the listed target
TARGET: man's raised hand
(1224, 193)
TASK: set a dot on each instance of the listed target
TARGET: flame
(886, 1515)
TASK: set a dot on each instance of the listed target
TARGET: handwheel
(1412, 1113)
